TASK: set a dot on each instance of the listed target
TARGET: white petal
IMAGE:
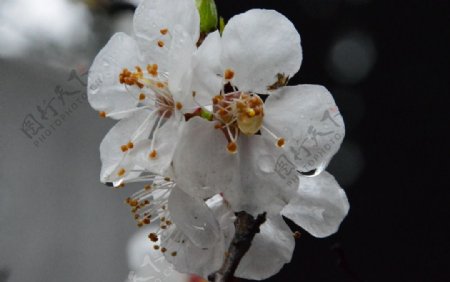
(202, 165)
(320, 205)
(134, 128)
(192, 259)
(105, 93)
(201, 261)
(308, 118)
(193, 217)
(152, 16)
(180, 69)
(166, 138)
(256, 187)
(206, 81)
(270, 250)
(258, 45)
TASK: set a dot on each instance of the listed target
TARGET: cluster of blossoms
(211, 129)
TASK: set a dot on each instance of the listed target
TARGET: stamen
(141, 96)
(232, 148)
(130, 145)
(121, 172)
(153, 154)
(102, 114)
(164, 31)
(124, 148)
(160, 43)
(179, 106)
(281, 142)
(229, 74)
(152, 69)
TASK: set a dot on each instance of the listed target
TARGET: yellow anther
(281, 142)
(250, 112)
(229, 74)
(153, 154)
(121, 172)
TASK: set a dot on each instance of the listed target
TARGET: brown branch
(246, 229)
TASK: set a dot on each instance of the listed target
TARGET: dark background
(385, 62)
(397, 227)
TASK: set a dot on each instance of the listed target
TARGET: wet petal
(270, 250)
(125, 134)
(320, 205)
(206, 81)
(105, 93)
(193, 217)
(256, 186)
(153, 17)
(309, 120)
(202, 165)
(258, 45)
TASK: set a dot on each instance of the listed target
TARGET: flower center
(238, 112)
(154, 86)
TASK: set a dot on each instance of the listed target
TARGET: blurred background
(386, 63)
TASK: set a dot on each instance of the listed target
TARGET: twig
(246, 229)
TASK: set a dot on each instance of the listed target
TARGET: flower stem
(246, 229)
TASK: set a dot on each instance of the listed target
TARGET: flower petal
(309, 120)
(153, 17)
(180, 69)
(206, 81)
(319, 206)
(258, 45)
(270, 250)
(132, 129)
(193, 217)
(105, 93)
(201, 261)
(256, 187)
(202, 165)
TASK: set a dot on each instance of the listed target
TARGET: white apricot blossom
(145, 81)
(193, 234)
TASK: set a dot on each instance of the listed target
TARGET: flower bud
(208, 15)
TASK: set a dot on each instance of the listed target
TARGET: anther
(141, 96)
(102, 114)
(166, 178)
(153, 154)
(229, 74)
(163, 250)
(148, 187)
(250, 112)
(297, 235)
(164, 31)
(130, 145)
(174, 254)
(160, 85)
(124, 148)
(232, 147)
(160, 43)
(179, 106)
(121, 172)
(281, 142)
(156, 247)
(153, 237)
(152, 69)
